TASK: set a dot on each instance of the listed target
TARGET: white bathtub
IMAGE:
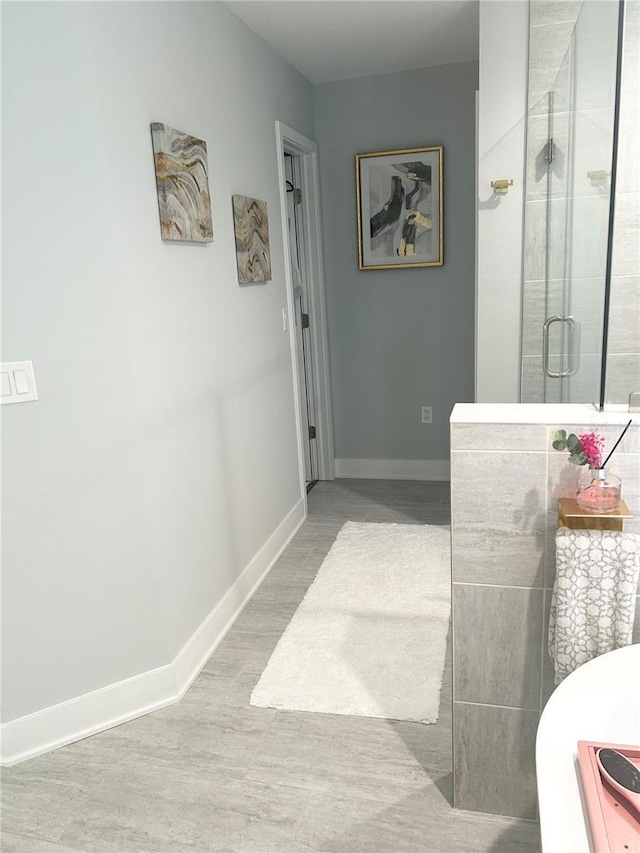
(600, 701)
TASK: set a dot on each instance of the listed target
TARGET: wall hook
(502, 186)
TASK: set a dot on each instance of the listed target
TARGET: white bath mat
(370, 636)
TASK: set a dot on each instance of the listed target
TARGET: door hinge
(550, 151)
(305, 321)
(297, 195)
(312, 432)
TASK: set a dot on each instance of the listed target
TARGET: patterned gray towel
(594, 597)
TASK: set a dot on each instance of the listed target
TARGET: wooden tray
(570, 515)
(613, 822)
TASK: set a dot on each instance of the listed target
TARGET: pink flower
(592, 445)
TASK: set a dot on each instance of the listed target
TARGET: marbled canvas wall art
(252, 239)
(182, 178)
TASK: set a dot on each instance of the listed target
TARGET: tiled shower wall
(551, 27)
(505, 482)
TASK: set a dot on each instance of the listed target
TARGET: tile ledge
(539, 413)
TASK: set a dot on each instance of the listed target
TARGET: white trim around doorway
(292, 142)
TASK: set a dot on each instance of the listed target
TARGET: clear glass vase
(599, 492)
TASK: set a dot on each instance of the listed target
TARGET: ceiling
(330, 40)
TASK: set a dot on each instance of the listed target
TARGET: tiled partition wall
(506, 480)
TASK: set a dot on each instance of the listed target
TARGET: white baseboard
(201, 645)
(394, 469)
(82, 716)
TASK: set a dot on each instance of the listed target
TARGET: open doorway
(300, 202)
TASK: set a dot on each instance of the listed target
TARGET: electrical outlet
(426, 415)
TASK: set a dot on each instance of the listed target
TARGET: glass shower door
(578, 156)
(592, 130)
(560, 328)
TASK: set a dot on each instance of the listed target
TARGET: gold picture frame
(399, 201)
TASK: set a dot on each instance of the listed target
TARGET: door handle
(571, 350)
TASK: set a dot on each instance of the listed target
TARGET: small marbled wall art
(182, 178)
(252, 239)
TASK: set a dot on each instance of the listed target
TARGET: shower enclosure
(570, 239)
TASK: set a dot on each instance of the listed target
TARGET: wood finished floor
(214, 774)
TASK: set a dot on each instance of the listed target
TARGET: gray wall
(141, 484)
(399, 339)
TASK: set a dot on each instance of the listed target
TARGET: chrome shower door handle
(545, 347)
(571, 359)
(571, 354)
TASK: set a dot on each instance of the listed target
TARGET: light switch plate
(6, 390)
(18, 382)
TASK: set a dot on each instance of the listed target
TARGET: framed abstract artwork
(399, 197)
(182, 179)
(251, 227)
